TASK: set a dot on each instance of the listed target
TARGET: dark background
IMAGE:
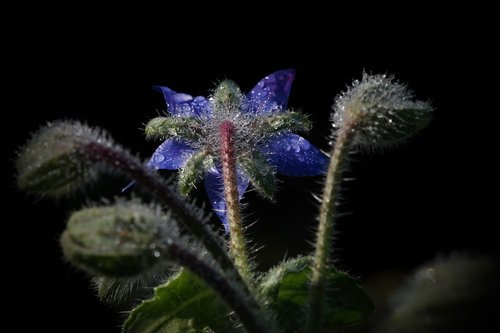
(406, 204)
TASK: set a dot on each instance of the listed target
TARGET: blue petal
(170, 155)
(293, 155)
(271, 93)
(179, 104)
(214, 186)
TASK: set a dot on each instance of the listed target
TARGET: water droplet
(295, 145)
(304, 144)
(179, 97)
(158, 158)
(184, 108)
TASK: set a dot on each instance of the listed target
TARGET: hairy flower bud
(120, 240)
(55, 160)
(380, 110)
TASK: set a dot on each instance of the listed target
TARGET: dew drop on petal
(158, 158)
(180, 97)
(304, 144)
(295, 144)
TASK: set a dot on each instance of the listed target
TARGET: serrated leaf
(286, 288)
(183, 304)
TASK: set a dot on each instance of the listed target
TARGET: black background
(406, 204)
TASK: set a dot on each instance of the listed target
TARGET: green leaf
(182, 304)
(285, 289)
(125, 293)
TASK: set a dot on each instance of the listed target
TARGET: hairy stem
(327, 217)
(246, 308)
(119, 159)
(238, 246)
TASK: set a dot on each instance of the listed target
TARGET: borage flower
(261, 130)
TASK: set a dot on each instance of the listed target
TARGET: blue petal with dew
(170, 155)
(292, 155)
(271, 93)
(184, 105)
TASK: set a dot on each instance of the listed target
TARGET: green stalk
(247, 310)
(323, 252)
(232, 285)
(132, 167)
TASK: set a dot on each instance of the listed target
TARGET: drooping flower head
(263, 138)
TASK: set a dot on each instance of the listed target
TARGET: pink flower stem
(237, 243)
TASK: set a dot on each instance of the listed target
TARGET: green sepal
(261, 174)
(285, 290)
(183, 304)
(226, 96)
(162, 128)
(193, 171)
(289, 121)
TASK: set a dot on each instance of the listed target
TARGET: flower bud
(380, 111)
(54, 161)
(119, 241)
